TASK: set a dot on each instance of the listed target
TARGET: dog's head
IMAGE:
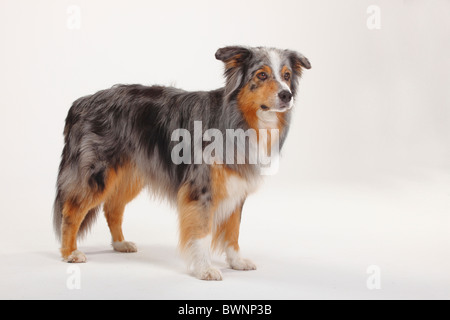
(262, 79)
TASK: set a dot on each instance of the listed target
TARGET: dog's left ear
(298, 61)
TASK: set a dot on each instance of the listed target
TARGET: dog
(121, 140)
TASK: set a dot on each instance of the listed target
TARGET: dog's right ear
(233, 56)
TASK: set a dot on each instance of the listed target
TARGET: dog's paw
(242, 264)
(209, 274)
(76, 257)
(124, 246)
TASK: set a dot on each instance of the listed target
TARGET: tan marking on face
(285, 70)
(257, 93)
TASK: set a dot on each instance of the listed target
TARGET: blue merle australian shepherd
(121, 140)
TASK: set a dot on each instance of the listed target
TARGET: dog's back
(127, 126)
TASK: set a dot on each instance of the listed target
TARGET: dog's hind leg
(77, 212)
(127, 188)
(73, 216)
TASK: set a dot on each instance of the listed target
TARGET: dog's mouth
(282, 108)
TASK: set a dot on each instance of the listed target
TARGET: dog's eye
(262, 76)
(287, 76)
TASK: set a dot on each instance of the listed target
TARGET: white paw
(124, 246)
(76, 257)
(210, 274)
(242, 264)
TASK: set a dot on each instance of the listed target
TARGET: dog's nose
(285, 96)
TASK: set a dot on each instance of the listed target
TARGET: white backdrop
(366, 169)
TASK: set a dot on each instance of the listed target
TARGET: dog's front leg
(195, 218)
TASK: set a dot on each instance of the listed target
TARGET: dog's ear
(233, 56)
(298, 61)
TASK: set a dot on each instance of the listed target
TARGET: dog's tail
(67, 184)
(57, 215)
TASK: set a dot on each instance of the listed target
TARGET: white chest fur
(267, 119)
(237, 190)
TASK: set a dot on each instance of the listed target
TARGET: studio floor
(384, 239)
